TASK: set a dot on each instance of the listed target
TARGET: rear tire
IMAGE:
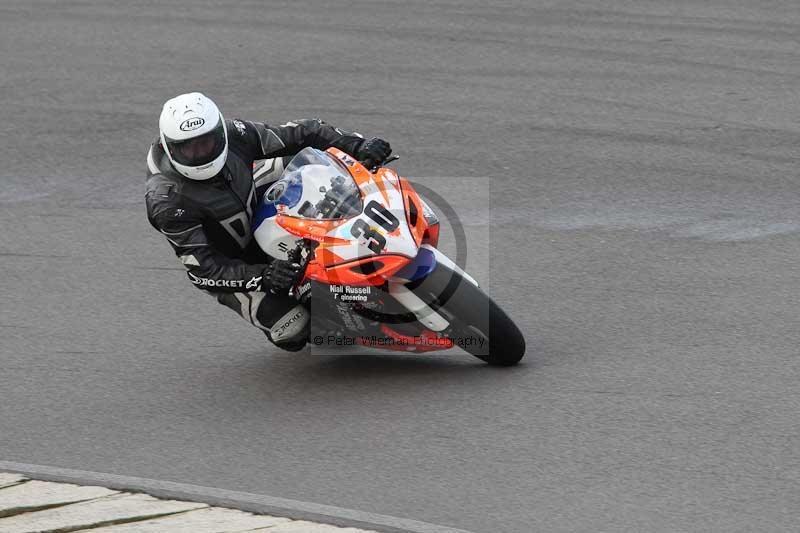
(473, 316)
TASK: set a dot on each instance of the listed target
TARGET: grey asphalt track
(645, 229)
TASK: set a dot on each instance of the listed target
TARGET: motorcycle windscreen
(315, 186)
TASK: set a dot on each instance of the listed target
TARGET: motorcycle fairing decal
(371, 270)
(426, 341)
(326, 257)
(431, 235)
(306, 227)
(264, 212)
(379, 190)
(413, 211)
(375, 232)
(365, 249)
(418, 268)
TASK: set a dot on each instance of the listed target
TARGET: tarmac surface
(637, 163)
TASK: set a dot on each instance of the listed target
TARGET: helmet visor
(198, 151)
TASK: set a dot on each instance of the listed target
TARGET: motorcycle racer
(200, 194)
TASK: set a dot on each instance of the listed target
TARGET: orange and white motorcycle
(374, 274)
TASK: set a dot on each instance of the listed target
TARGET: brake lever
(388, 160)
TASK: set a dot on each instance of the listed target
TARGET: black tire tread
(446, 290)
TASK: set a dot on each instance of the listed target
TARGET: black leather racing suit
(208, 222)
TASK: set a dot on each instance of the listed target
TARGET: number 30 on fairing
(383, 218)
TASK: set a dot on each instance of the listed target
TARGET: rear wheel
(477, 323)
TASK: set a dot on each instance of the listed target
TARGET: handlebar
(371, 166)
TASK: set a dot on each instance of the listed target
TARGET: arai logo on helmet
(192, 123)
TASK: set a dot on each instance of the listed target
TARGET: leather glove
(373, 152)
(282, 275)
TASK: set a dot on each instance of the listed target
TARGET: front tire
(473, 317)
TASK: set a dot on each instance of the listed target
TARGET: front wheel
(477, 323)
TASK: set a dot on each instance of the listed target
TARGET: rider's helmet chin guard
(194, 136)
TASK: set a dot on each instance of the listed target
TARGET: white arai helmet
(194, 135)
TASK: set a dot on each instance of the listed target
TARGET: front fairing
(358, 218)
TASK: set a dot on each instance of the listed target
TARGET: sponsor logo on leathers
(254, 283)
(290, 325)
(206, 282)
